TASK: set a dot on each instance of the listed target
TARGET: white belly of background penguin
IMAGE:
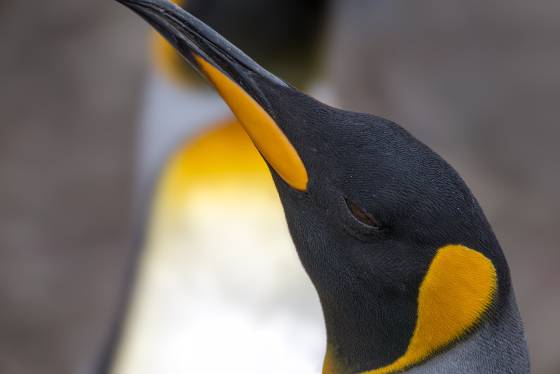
(213, 281)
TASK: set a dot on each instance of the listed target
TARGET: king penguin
(408, 272)
(197, 170)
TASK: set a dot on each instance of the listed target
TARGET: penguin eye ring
(363, 216)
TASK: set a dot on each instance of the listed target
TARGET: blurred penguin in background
(214, 279)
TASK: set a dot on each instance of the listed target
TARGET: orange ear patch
(454, 295)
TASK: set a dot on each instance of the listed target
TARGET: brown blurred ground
(479, 82)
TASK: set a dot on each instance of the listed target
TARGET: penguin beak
(238, 79)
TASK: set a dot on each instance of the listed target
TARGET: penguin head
(369, 207)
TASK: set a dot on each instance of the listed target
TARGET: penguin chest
(220, 286)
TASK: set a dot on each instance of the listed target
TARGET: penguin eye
(362, 216)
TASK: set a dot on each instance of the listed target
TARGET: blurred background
(83, 156)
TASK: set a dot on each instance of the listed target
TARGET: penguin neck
(356, 345)
(363, 334)
(502, 332)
